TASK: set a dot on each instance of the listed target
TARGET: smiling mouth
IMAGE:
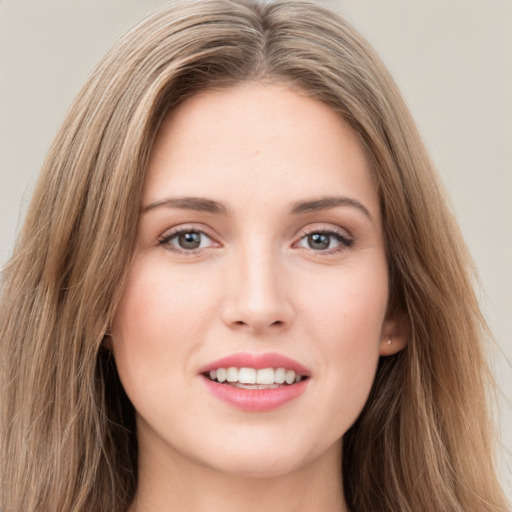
(252, 378)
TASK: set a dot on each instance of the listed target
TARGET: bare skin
(311, 488)
(274, 190)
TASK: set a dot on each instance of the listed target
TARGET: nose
(256, 294)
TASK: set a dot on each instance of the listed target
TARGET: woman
(238, 285)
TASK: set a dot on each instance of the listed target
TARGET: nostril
(257, 325)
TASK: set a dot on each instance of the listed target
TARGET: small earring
(389, 341)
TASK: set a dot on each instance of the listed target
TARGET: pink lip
(256, 400)
(258, 361)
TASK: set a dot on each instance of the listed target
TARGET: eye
(325, 240)
(186, 240)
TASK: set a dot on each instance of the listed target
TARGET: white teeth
(221, 374)
(255, 386)
(290, 377)
(232, 374)
(265, 376)
(280, 376)
(250, 378)
(247, 376)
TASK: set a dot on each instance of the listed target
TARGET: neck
(176, 483)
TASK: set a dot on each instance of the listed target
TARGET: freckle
(257, 151)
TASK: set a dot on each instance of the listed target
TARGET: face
(260, 246)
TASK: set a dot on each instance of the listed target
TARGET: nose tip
(256, 301)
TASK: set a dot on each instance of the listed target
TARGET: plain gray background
(451, 58)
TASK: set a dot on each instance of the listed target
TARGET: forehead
(263, 142)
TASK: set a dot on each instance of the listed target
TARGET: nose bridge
(257, 296)
(259, 277)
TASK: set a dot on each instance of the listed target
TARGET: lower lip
(256, 400)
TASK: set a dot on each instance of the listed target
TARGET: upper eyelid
(206, 230)
(324, 228)
(184, 228)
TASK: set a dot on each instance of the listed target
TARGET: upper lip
(257, 361)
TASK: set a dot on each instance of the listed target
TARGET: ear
(107, 340)
(394, 336)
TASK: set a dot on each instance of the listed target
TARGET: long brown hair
(423, 441)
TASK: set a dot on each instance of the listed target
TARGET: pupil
(318, 241)
(189, 240)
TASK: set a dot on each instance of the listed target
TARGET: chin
(260, 466)
(263, 456)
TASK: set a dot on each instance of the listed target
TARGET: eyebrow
(217, 208)
(190, 203)
(328, 202)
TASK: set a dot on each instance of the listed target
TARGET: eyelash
(346, 242)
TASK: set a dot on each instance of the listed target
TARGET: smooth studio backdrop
(451, 58)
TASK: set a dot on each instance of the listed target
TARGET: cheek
(157, 299)
(158, 321)
(348, 306)
(346, 321)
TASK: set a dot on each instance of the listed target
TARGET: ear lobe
(395, 333)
